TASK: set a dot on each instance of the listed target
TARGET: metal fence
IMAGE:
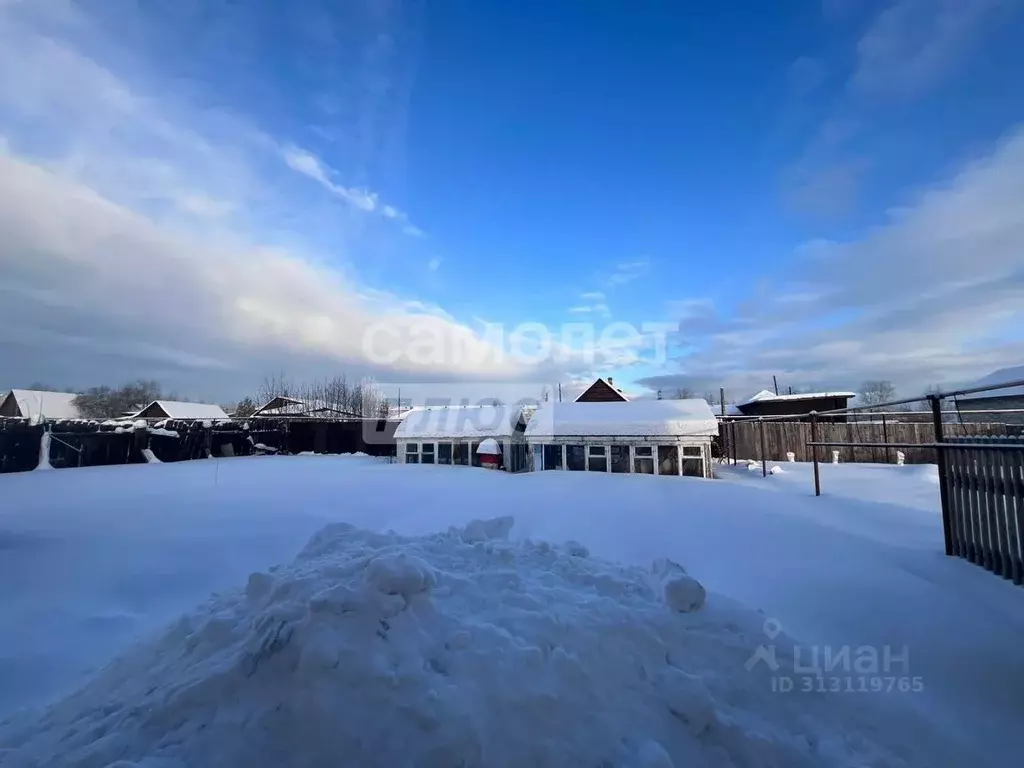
(981, 485)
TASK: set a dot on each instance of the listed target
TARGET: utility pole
(775, 381)
(721, 399)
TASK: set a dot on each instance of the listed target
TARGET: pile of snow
(489, 447)
(44, 453)
(150, 457)
(458, 648)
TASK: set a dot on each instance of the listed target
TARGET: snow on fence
(985, 496)
(82, 443)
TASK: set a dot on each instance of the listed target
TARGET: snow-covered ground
(92, 559)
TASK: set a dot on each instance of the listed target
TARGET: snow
(163, 432)
(489, 447)
(662, 418)
(44, 453)
(999, 377)
(150, 457)
(459, 421)
(180, 410)
(38, 405)
(107, 559)
(765, 395)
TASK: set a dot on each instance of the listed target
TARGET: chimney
(610, 382)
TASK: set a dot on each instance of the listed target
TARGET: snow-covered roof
(765, 395)
(36, 404)
(460, 421)
(998, 377)
(663, 418)
(180, 410)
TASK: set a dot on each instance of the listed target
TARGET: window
(668, 459)
(444, 453)
(553, 457)
(575, 458)
(620, 459)
(412, 453)
(643, 460)
(597, 458)
(461, 454)
(427, 450)
(473, 455)
(693, 461)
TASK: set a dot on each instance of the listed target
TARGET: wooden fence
(985, 496)
(781, 437)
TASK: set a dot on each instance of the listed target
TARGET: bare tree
(683, 393)
(109, 402)
(875, 392)
(246, 407)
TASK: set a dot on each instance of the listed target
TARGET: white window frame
(605, 454)
(412, 448)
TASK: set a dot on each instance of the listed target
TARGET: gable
(601, 392)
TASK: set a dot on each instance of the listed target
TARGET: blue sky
(208, 192)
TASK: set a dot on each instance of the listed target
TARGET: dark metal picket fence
(985, 496)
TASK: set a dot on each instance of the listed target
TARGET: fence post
(733, 424)
(947, 530)
(885, 439)
(764, 458)
(814, 452)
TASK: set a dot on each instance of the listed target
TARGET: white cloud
(94, 177)
(592, 296)
(626, 272)
(434, 264)
(913, 43)
(591, 309)
(934, 294)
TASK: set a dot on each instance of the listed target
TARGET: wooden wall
(783, 436)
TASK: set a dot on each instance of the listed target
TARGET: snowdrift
(459, 648)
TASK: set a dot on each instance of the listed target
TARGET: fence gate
(985, 495)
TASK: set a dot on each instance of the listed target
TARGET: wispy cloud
(626, 272)
(591, 309)
(592, 296)
(934, 294)
(100, 183)
(434, 264)
(912, 44)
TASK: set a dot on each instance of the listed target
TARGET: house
(452, 434)
(170, 409)
(766, 403)
(651, 437)
(1003, 399)
(602, 391)
(289, 406)
(38, 406)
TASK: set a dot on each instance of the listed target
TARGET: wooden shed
(766, 403)
(651, 437)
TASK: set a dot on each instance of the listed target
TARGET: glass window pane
(668, 460)
(444, 453)
(461, 454)
(426, 458)
(428, 447)
(412, 458)
(643, 466)
(474, 456)
(412, 448)
(575, 456)
(692, 451)
(552, 457)
(620, 458)
(643, 450)
(597, 450)
(597, 464)
(693, 467)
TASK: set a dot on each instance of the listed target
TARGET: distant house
(289, 406)
(1003, 399)
(170, 409)
(38, 405)
(651, 437)
(602, 391)
(452, 435)
(766, 403)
